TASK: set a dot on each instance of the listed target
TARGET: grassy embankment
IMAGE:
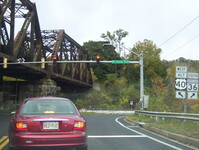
(187, 128)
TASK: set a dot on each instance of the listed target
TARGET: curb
(174, 136)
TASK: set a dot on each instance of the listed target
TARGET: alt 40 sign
(181, 84)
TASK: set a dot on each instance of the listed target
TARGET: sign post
(131, 104)
(181, 84)
(186, 85)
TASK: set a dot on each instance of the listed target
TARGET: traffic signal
(97, 59)
(43, 64)
(5, 60)
(55, 60)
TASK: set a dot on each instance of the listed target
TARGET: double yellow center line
(3, 142)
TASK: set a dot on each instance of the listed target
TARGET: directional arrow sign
(192, 95)
(181, 94)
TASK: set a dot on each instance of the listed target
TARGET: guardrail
(105, 111)
(184, 116)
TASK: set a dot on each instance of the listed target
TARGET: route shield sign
(192, 85)
(181, 84)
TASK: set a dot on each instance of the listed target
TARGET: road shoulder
(174, 136)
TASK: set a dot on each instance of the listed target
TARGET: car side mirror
(13, 112)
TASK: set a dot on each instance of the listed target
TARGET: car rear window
(36, 107)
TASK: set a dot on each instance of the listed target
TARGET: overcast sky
(156, 20)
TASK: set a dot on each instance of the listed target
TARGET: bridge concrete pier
(13, 92)
(43, 87)
(47, 87)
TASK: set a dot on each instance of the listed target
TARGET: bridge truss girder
(32, 44)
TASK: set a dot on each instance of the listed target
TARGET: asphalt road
(110, 132)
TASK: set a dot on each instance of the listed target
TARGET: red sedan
(47, 122)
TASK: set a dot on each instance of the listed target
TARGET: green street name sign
(120, 61)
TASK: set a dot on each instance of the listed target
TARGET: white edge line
(114, 136)
(177, 148)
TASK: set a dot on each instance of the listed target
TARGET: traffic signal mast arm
(140, 62)
(77, 61)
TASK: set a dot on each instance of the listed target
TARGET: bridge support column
(43, 87)
(47, 87)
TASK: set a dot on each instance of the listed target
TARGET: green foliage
(114, 93)
(119, 84)
(148, 48)
(157, 104)
(115, 38)
(188, 128)
(194, 109)
(80, 103)
(94, 77)
(127, 95)
(153, 66)
(106, 53)
(117, 35)
(113, 86)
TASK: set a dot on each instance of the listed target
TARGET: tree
(153, 66)
(182, 59)
(148, 48)
(105, 53)
(115, 38)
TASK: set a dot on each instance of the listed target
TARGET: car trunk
(50, 123)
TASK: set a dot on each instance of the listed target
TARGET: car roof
(46, 98)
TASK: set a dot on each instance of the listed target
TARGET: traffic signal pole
(140, 62)
(142, 81)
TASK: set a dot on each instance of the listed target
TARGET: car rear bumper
(55, 140)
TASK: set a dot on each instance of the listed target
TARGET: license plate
(50, 125)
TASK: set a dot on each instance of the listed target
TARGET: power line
(179, 31)
(184, 44)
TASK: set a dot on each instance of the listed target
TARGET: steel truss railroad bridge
(31, 44)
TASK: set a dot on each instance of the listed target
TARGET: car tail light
(79, 126)
(21, 126)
